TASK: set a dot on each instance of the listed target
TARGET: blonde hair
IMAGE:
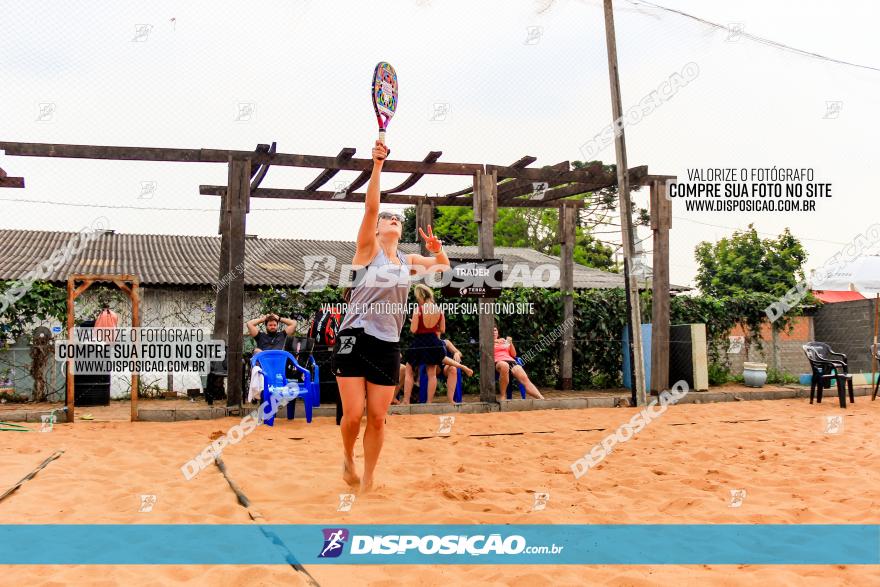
(423, 293)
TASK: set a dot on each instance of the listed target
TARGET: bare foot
(366, 486)
(467, 370)
(349, 473)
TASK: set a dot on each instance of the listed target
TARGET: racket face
(384, 92)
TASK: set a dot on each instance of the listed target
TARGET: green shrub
(781, 377)
(718, 374)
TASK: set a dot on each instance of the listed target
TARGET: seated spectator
(426, 348)
(506, 365)
(449, 369)
(272, 338)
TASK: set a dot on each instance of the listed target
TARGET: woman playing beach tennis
(366, 357)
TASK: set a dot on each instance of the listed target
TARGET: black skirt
(426, 349)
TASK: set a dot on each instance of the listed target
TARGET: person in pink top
(506, 365)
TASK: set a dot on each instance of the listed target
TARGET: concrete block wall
(849, 328)
(785, 354)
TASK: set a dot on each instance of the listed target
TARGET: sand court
(789, 466)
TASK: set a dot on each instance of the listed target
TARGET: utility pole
(634, 324)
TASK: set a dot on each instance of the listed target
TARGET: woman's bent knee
(376, 421)
(350, 419)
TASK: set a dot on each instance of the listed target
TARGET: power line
(756, 38)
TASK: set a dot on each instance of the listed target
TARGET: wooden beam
(344, 155)
(69, 401)
(415, 177)
(257, 179)
(11, 182)
(405, 199)
(134, 296)
(569, 190)
(359, 181)
(515, 203)
(222, 156)
(648, 178)
(484, 214)
(600, 183)
(424, 217)
(104, 276)
(521, 187)
(82, 288)
(540, 174)
(522, 162)
(238, 197)
(567, 225)
(661, 222)
(255, 167)
(221, 300)
(121, 285)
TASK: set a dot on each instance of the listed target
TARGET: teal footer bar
(206, 544)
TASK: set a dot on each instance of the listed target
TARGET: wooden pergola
(10, 182)
(489, 188)
(128, 284)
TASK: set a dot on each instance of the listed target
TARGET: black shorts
(425, 349)
(357, 354)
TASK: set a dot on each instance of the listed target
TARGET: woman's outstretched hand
(432, 243)
(380, 152)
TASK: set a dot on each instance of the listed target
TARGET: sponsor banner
(474, 278)
(653, 544)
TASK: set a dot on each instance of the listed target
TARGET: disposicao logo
(334, 541)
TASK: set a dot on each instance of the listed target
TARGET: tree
(744, 263)
(41, 301)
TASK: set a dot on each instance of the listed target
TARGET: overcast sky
(518, 78)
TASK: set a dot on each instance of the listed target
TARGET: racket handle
(381, 138)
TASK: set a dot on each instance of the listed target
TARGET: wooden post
(424, 217)
(567, 214)
(485, 194)
(221, 300)
(68, 401)
(634, 323)
(661, 222)
(876, 329)
(134, 294)
(238, 197)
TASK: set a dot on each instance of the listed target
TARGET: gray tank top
(378, 298)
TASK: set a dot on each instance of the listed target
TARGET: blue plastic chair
(274, 363)
(423, 386)
(511, 380)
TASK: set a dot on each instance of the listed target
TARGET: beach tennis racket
(384, 95)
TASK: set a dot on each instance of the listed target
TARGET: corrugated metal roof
(193, 260)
